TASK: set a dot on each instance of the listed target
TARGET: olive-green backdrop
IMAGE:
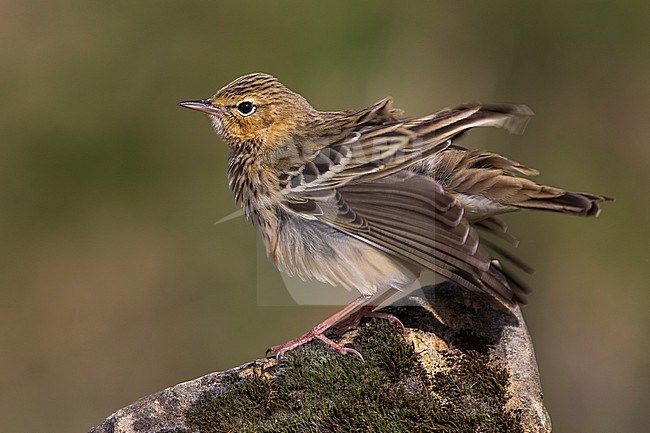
(114, 280)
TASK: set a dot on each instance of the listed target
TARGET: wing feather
(357, 184)
(360, 152)
(404, 215)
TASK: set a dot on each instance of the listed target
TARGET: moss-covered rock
(464, 364)
(313, 389)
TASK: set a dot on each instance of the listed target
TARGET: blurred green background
(114, 280)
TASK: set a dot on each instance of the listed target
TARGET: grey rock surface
(443, 322)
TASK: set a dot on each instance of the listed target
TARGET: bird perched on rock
(369, 199)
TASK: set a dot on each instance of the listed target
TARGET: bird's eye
(246, 108)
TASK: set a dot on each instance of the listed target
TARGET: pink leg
(317, 331)
(353, 320)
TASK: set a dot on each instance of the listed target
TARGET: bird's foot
(319, 329)
(354, 319)
(315, 333)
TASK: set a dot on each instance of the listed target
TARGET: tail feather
(571, 203)
(488, 184)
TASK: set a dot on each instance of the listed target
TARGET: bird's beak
(203, 105)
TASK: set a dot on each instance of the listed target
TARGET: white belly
(312, 250)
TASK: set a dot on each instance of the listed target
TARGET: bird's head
(255, 108)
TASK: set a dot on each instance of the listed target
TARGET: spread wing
(357, 185)
(361, 150)
(410, 217)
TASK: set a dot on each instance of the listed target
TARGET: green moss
(314, 389)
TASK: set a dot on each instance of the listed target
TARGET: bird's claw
(281, 349)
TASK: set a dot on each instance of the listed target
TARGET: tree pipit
(369, 199)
